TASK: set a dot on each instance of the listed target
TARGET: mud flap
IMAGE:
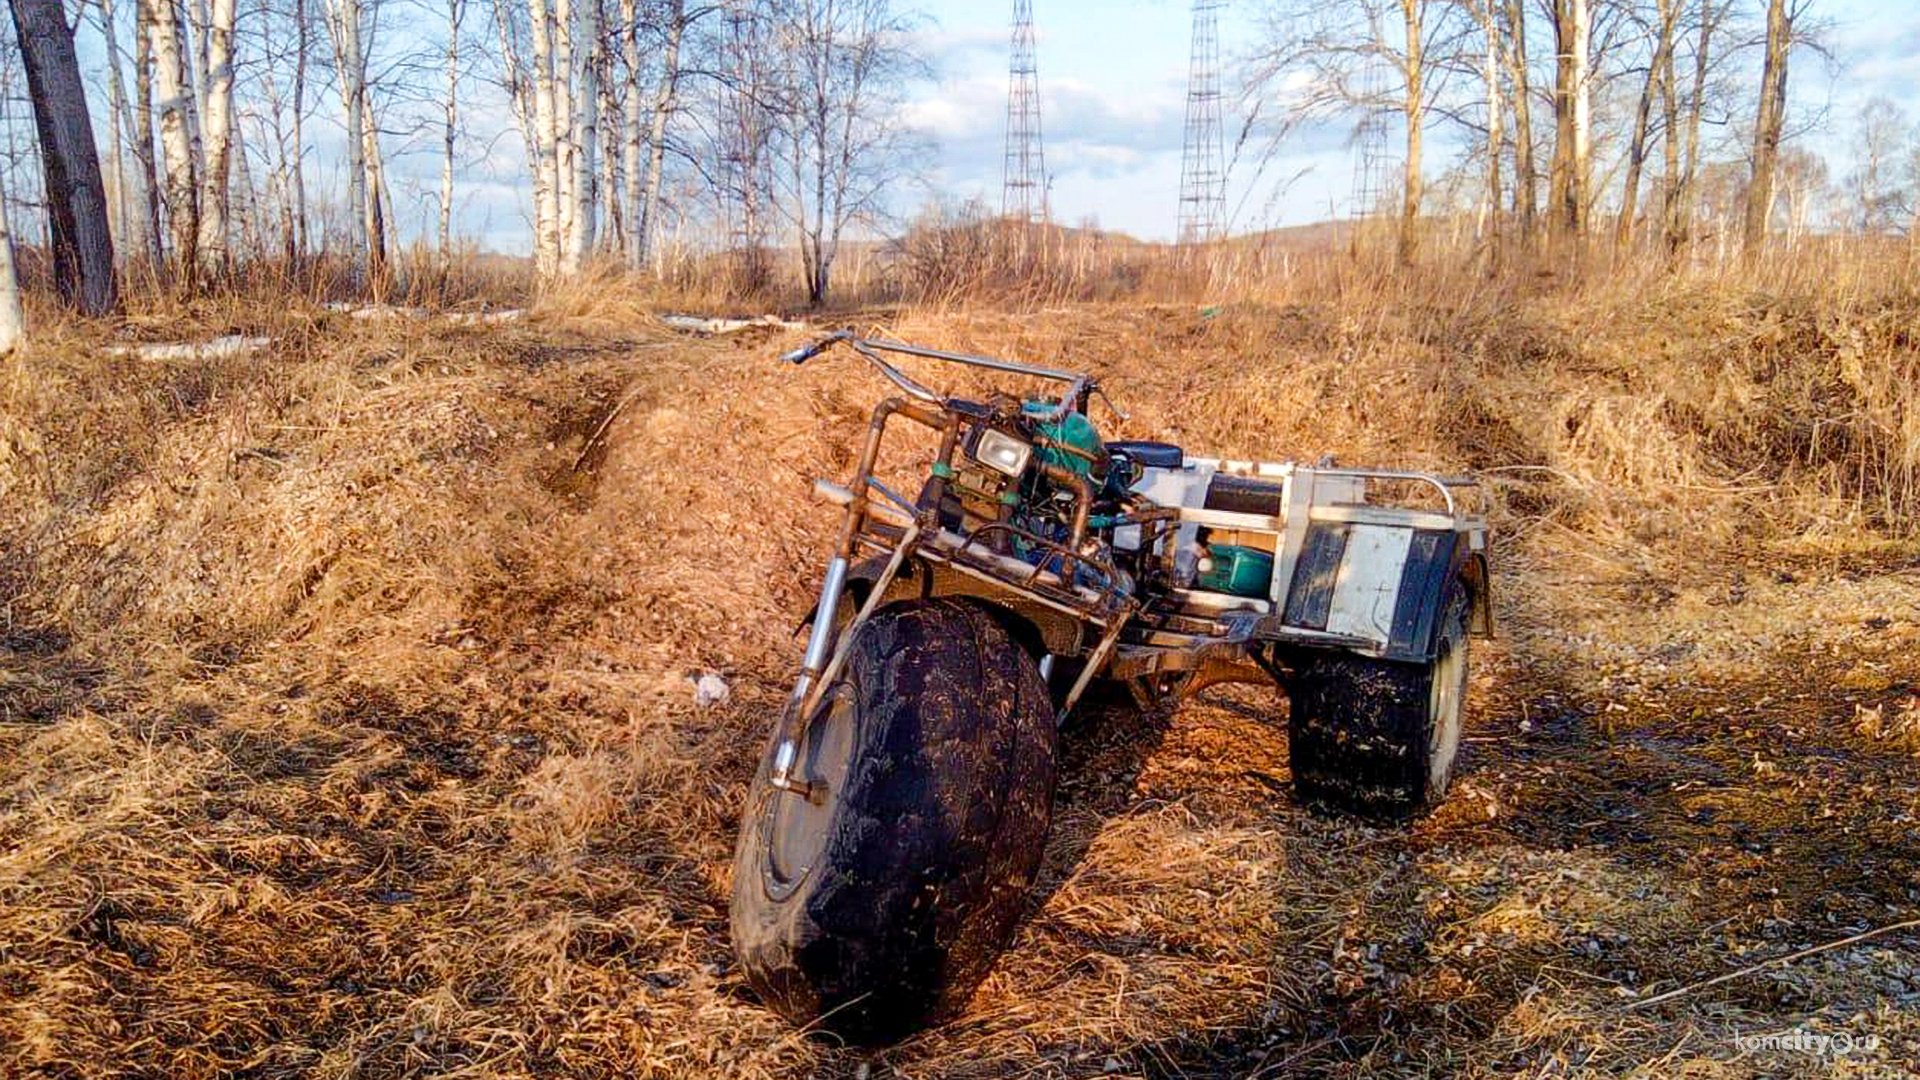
(1379, 583)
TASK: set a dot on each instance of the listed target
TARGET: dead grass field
(346, 727)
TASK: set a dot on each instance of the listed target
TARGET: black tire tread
(1358, 731)
(940, 829)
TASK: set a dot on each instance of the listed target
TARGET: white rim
(1447, 695)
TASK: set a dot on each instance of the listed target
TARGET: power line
(1023, 192)
(1203, 175)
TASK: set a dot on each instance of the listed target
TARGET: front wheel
(881, 903)
(1378, 737)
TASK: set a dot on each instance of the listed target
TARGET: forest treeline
(173, 142)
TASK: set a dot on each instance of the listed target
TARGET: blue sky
(1113, 85)
(1113, 79)
(1113, 97)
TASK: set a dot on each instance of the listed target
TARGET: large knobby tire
(1378, 738)
(881, 905)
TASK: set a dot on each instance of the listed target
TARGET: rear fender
(1436, 559)
(1387, 585)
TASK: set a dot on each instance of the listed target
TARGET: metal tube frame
(817, 670)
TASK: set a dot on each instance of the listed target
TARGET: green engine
(1071, 441)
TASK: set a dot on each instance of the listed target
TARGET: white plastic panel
(1179, 488)
(1368, 585)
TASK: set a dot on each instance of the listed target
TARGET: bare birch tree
(344, 26)
(565, 76)
(1875, 190)
(546, 145)
(611, 236)
(130, 193)
(1572, 175)
(303, 43)
(143, 144)
(1337, 50)
(744, 123)
(1659, 69)
(1491, 67)
(456, 11)
(12, 320)
(665, 102)
(584, 36)
(217, 134)
(1526, 198)
(176, 134)
(629, 194)
(845, 69)
(1782, 15)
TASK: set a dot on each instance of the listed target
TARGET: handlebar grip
(808, 352)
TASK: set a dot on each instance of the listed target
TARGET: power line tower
(1203, 174)
(1371, 156)
(1023, 192)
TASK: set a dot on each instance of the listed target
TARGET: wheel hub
(1448, 693)
(797, 825)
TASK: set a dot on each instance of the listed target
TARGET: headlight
(1002, 452)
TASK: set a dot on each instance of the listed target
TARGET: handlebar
(992, 363)
(1079, 387)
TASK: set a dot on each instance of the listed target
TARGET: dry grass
(344, 692)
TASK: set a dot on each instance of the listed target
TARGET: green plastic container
(1231, 568)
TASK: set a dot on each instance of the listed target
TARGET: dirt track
(449, 807)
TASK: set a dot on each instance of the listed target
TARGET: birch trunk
(630, 133)
(1767, 126)
(193, 66)
(279, 188)
(176, 135)
(1670, 164)
(663, 106)
(1526, 195)
(1490, 75)
(12, 321)
(455, 10)
(565, 72)
(217, 134)
(120, 127)
(519, 93)
(1572, 117)
(1415, 110)
(302, 42)
(1580, 194)
(611, 211)
(143, 148)
(1637, 144)
(245, 197)
(379, 205)
(546, 173)
(344, 20)
(586, 136)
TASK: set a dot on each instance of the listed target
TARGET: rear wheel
(882, 903)
(1379, 737)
